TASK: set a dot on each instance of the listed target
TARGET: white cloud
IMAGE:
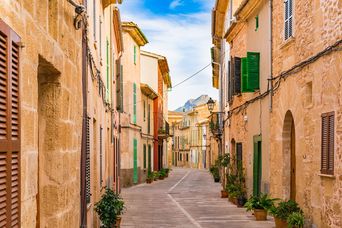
(175, 3)
(185, 40)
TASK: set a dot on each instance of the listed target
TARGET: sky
(181, 31)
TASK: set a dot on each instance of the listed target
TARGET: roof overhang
(148, 91)
(135, 32)
(242, 14)
(218, 21)
(106, 3)
(117, 30)
(164, 68)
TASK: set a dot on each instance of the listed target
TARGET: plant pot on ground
(259, 204)
(162, 174)
(150, 177)
(282, 211)
(224, 194)
(155, 175)
(241, 200)
(214, 170)
(109, 209)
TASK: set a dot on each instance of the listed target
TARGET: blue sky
(181, 31)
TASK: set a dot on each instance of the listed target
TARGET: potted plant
(282, 211)
(232, 192)
(215, 172)
(224, 193)
(259, 204)
(150, 177)
(162, 174)
(167, 170)
(241, 196)
(296, 220)
(109, 209)
(155, 175)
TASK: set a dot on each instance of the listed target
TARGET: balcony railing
(164, 131)
(214, 124)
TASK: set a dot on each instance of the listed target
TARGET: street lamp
(211, 104)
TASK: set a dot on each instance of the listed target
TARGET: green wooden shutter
(107, 71)
(134, 103)
(149, 158)
(257, 167)
(253, 71)
(244, 75)
(135, 161)
(144, 156)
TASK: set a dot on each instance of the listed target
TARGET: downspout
(84, 130)
(271, 50)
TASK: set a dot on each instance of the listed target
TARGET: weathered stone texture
(46, 29)
(309, 92)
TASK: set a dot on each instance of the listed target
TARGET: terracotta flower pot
(260, 214)
(224, 194)
(279, 223)
(161, 178)
(149, 181)
(117, 222)
(167, 175)
(235, 201)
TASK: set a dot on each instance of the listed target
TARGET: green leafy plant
(215, 172)
(262, 201)
(295, 219)
(109, 208)
(150, 175)
(162, 173)
(284, 209)
(167, 170)
(155, 175)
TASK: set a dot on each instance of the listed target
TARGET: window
(250, 72)
(149, 156)
(288, 18)
(144, 156)
(119, 86)
(235, 75)
(327, 153)
(149, 119)
(256, 23)
(144, 110)
(107, 70)
(9, 127)
(134, 103)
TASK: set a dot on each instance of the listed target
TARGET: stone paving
(188, 198)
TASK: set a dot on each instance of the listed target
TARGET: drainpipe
(271, 67)
(84, 130)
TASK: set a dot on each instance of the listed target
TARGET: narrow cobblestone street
(188, 198)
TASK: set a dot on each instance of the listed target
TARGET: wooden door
(257, 166)
(135, 161)
(293, 163)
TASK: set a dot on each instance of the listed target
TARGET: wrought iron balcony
(214, 124)
(164, 131)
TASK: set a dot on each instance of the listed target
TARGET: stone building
(131, 119)
(285, 118)
(306, 108)
(105, 48)
(40, 114)
(193, 144)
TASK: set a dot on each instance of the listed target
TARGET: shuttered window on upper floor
(9, 127)
(119, 86)
(134, 103)
(288, 18)
(250, 72)
(328, 139)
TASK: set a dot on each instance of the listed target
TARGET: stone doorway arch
(289, 155)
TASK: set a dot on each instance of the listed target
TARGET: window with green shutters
(144, 156)
(134, 103)
(250, 72)
(149, 157)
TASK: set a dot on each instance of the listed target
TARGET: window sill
(287, 42)
(327, 176)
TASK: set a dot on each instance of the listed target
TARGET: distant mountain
(193, 103)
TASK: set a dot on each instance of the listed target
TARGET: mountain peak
(193, 103)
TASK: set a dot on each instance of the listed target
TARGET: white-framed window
(288, 19)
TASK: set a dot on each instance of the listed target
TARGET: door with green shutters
(135, 161)
(257, 165)
(253, 60)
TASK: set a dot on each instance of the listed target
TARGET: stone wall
(49, 170)
(307, 93)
